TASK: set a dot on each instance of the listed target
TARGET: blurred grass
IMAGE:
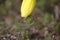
(3, 9)
(25, 25)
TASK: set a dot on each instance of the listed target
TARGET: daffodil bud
(27, 7)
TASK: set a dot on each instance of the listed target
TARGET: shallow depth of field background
(42, 24)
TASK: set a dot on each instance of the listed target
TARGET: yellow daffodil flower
(27, 7)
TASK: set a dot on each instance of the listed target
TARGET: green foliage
(41, 3)
(38, 27)
(2, 23)
(26, 35)
(41, 19)
(28, 28)
(30, 19)
(19, 25)
(9, 3)
(57, 27)
(3, 9)
(46, 18)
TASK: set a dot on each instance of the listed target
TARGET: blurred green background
(42, 24)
